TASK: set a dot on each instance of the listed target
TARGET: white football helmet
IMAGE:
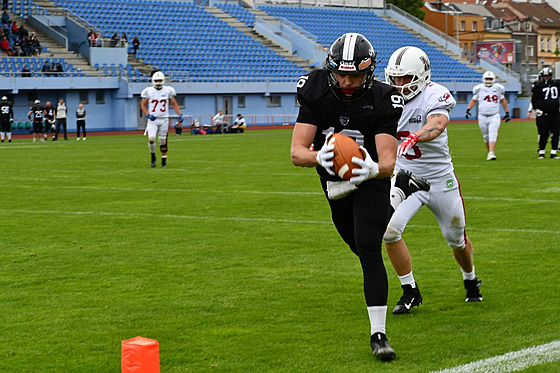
(489, 78)
(157, 79)
(411, 61)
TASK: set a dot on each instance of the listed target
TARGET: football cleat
(491, 156)
(411, 298)
(380, 347)
(473, 291)
(164, 162)
(541, 156)
(410, 183)
(152, 164)
(554, 156)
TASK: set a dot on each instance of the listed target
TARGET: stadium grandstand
(219, 55)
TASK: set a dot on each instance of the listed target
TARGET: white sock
(468, 275)
(2, 135)
(377, 316)
(408, 279)
(397, 196)
(9, 135)
(152, 147)
(553, 151)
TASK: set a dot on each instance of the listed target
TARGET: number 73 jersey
(158, 100)
(427, 159)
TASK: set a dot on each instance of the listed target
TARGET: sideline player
(424, 152)
(545, 103)
(37, 114)
(345, 98)
(50, 120)
(6, 118)
(489, 95)
(155, 105)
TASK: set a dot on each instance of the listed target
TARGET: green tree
(414, 7)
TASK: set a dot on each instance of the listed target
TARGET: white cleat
(491, 156)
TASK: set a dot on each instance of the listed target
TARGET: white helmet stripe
(349, 46)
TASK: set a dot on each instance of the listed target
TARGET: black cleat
(541, 156)
(473, 291)
(411, 298)
(164, 162)
(410, 183)
(554, 156)
(380, 347)
(153, 163)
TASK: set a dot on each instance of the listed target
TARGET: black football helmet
(351, 54)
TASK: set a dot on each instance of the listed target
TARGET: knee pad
(392, 234)
(163, 148)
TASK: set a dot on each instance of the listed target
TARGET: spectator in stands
(59, 70)
(135, 45)
(155, 70)
(16, 47)
(124, 39)
(5, 46)
(4, 4)
(115, 40)
(46, 69)
(25, 73)
(218, 121)
(35, 45)
(6, 18)
(92, 38)
(81, 121)
(60, 119)
(23, 31)
(26, 47)
(238, 126)
(15, 28)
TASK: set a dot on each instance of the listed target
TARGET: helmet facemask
(158, 79)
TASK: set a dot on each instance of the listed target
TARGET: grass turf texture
(228, 258)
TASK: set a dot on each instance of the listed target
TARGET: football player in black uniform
(37, 113)
(6, 118)
(345, 98)
(546, 106)
(50, 119)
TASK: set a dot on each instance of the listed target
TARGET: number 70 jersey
(158, 100)
(427, 159)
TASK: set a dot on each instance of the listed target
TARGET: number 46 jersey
(488, 98)
(427, 159)
(158, 100)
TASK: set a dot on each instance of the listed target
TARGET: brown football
(344, 149)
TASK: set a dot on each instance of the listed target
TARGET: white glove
(538, 112)
(369, 169)
(339, 189)
(325, 156)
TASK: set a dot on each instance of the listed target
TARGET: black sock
(153, 157)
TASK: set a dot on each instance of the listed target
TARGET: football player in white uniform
(155, 105)
(423, 150)
(489, 96)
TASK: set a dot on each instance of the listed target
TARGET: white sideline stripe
(512, 361)
(238, 218)
(164, 190)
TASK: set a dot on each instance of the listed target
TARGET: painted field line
(270, 192)
(258, 220)
(512, 361)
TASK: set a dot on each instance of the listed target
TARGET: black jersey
(6, 110)
(546, 95)
(377, 111)
(49, 112)
(37, 113)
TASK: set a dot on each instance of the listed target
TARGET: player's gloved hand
(368, 168)
(180, 119)
(152, 117)
(468, 113)
(538, 112)
(407, 143)
(325, 155)
(506, 117)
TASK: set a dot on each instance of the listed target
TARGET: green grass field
(228, 258)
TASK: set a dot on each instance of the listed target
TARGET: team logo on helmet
(365, 63)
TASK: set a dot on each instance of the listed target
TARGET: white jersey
(158, 100)
(488, 98)
(431, 158)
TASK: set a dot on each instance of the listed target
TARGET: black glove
(468, 113)
(506, 117)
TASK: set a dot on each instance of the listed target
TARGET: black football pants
(548, 124)
(5, 125)
(361, 220)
